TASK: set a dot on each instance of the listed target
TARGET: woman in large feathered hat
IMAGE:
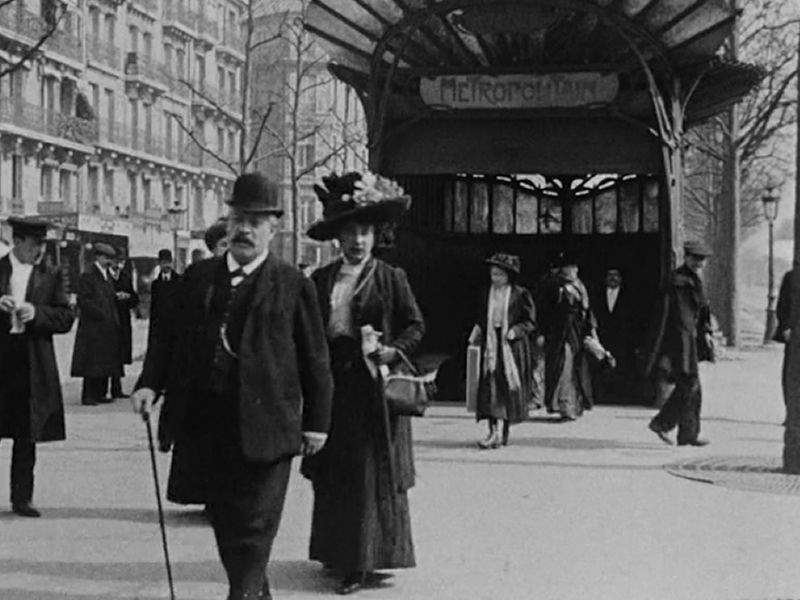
(361, 519)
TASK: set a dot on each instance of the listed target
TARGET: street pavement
(568, 511)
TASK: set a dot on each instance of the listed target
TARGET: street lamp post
(770, 203)
(175, 214)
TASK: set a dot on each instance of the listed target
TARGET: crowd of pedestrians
(253, 362)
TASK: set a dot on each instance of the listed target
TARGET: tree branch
(30, 52)
(203, 147)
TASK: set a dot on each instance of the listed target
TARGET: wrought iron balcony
(206, 27)
(114, 132)
(141, 67)
(179, 14)
(232, 40)
(11, 206)
(26, 24)
(34, 118)
(150, 6)
(103, 52)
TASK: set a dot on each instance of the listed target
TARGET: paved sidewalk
(568, 511)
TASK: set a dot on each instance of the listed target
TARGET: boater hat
(254, 193)
(509, 262)
(366, 198)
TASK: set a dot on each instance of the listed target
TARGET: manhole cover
(751, 473)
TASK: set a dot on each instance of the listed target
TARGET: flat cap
(697, 248)
(103, 249)
(32, 226)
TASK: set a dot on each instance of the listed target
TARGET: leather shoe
(89, 402)
(699, 442)
(25, 509)
(661, 434)
(491, 442)
(105, 400)
(350, 584)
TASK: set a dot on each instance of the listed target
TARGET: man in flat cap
(245, 369)
(97, 356)
(33, 307)
(683, 338)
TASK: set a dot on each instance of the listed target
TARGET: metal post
(769, 330)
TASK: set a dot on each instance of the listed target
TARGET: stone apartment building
(88, 128)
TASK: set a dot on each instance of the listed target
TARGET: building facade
(316, 123)
(101, 129)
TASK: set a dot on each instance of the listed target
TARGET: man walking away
(248, 383)
(33, 307)
(97, 356)
(682, 339)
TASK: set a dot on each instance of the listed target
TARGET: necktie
(237, 275)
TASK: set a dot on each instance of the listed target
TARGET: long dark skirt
(495, 399)
(361, 517)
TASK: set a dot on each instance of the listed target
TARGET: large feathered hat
(366, 198)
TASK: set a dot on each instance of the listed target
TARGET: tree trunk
(791, 390)
(296, 232)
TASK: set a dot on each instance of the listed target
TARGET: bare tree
(743, 154)
(254, 116)
(293, 71)
(53, 17)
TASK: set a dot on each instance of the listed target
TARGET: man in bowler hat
(245, 370)
(682, 340)
(33, 307)
(163, 292)
(97, 356)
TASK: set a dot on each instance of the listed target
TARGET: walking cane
(146, 417)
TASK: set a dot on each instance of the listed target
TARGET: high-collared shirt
(20, 276)
(611, 298)
(341, 319)
(234, 266)
(102, 270)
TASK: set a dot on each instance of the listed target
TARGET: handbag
(407, 394)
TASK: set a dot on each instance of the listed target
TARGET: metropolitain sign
(525, 90)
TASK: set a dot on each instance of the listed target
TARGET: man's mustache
(241, 239)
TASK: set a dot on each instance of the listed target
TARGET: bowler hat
(254, 193)
(103, 249)
(697, 248)
(364, 198)
(31, 226)
(566, 258)
(164, 254)
(508, 262)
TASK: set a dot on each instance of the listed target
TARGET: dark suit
(615, 328)
(683, 323)
(246, 371)
(163, 294)
(124, 283)
(783, 312)
(31, 405)
(98, 353)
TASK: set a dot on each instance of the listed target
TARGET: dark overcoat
(284, 377)
(124, 283)
(522, 321)
(53, 315)
(97, 350)
(616, 328)
(682, 321)
(783, 310)
(163, 299)
(361, 522)
(569, 321)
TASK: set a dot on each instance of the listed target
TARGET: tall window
(95, 97)
(133, 191)
(46, 183)
(133, 120)
(108, 185)
(64, 186)
(147, 190)
(16, 177)
(200, 69)
(110, 25)
(180, 63)
(166, 194)
(147, 38)
(94, 186)
(133, 38)
(94, 21)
